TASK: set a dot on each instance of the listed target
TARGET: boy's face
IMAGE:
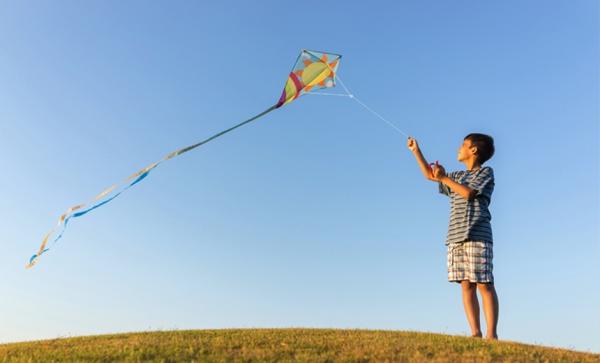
(467, 151)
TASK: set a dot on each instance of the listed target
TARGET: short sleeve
(443, 188)
(483, 183)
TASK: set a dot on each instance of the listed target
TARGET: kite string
(327, 94)
(351, 95)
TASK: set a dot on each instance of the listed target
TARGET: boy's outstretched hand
(434, 174)
(412, 144)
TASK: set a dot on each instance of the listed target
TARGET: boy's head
(477, 146)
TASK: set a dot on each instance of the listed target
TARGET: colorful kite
(312, 71)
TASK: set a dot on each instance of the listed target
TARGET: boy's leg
(471, 304)
(490, 309)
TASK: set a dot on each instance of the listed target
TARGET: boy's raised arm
(414, 147)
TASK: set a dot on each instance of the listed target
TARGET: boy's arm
(414, 147)
(463, 190)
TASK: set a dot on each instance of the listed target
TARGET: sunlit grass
(283, 345)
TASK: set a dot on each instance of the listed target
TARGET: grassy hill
(285, 345)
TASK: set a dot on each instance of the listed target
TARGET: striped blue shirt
(470, 220)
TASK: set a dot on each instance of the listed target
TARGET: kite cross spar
(312, 71)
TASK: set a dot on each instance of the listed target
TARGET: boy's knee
(489, 287)
(468, 285)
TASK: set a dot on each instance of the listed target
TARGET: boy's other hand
(438, 171)
(412, 144)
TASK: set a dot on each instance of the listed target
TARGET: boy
(469, 238)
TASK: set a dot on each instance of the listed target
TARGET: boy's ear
(474, 150)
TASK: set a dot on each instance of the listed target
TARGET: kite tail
(115, 190)
(65, 218)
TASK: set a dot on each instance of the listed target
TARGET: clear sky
(317, 214)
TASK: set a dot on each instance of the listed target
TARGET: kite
(312, 71)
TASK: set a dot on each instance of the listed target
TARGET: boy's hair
(484, 144)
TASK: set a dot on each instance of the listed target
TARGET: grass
(283, 345)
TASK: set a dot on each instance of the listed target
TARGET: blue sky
(316, 215)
